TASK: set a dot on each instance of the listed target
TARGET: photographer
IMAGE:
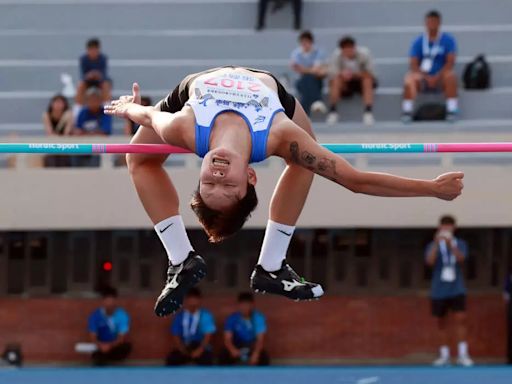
(446, 255)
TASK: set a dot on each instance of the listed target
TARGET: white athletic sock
(463, 349)
(174, 238)
(444, 352)
(452, 105)
(275, 245)
(407, 106)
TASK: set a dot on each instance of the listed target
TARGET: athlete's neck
(231, 132)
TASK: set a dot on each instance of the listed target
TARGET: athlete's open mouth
(220, 162)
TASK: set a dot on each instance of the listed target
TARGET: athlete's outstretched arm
(165, 124)
(298, 147)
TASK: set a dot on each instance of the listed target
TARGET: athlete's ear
(251, 176)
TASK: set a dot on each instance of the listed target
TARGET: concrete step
(236, 44)
(83, 14)
(155, 74)
(495, 104)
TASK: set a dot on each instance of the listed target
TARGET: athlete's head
(306, 41)
(347, 45)
(433, 22)
(93, 47)
(226, 195)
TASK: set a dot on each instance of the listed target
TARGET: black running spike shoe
(180, 278)
(285, 282)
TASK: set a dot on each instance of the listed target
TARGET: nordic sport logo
(387, 147)
(56, 147)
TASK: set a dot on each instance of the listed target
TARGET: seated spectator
(94, 72)
(108, 327)
(244, 335)
(92, 120)
(278, 4)
(130, 128)
(351, 71)
(192, 331)
(432, 61)
(58, 121)
(309, 62)
(58, 118)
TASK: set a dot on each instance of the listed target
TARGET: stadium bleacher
(40, 39)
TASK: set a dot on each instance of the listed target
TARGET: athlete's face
(223, 179)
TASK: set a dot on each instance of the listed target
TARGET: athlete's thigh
(301, 119)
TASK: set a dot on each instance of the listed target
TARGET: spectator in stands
(446, 255)
(58, 121)
(130, 128)
(432, 61)
(244, 335)
(278, 4)
(508, 298)
(309, 62)
(351, 71)
(92, 120)
(108, 327)
(58, 118)
(94, 72)
(192, 331)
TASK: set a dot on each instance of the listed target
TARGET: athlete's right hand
(448, 186)
(120, 106)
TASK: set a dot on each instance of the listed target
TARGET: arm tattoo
(325, 166)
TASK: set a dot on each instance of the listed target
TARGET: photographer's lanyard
(448, 272)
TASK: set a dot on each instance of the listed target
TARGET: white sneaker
(441, 362)
(319, 107)
(332, 118)
(465, 361)
(368, 118)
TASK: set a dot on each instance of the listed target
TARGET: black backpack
(477, 74)
(430, 112)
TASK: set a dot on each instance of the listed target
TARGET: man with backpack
(432, 61)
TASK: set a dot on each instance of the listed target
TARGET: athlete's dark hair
(347, 41)
(447, 220)
(54, 99)
(306, 35)
(194, 292)
(93, 43)
(434, 14)
(245, 297)
(219, 225)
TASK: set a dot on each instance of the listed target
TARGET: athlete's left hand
(118, 107)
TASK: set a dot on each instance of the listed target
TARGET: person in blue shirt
(508, 295)
(432, 61)
(446, 255)
(309, 62)
(92, 119)
(94, 72)
(108, 328)
(244, 335)
(192, 330)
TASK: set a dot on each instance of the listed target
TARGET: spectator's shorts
(440, 307)
(355, 86)
(96, 83)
